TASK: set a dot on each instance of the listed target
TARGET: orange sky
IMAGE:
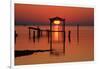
(31, 14)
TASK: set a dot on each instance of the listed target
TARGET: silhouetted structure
(29, 33)
(77, 33)
(34, 29)
(48, 34)
(34, 36)
(15, 36)
(69, 38)
(38, 32)
(62, 23)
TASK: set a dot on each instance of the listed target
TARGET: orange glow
(31, 13)
(56, 28)
(56, 34)
(56, 22)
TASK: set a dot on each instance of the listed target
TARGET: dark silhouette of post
(34, 36)
(38, 33)
(29, 33)
(50, 38)
(77, 33)
(69, 38)
(48, 35)
(15, 36)
(64, 37)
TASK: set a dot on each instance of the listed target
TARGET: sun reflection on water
(56, 34)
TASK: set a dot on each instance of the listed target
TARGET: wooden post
(77, 33)
(48, 35)
(38, 34)
(29, 34)
(34, 36)
(64, 37)
(15, 36)
(69, 39)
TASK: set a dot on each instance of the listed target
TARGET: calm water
(74, 51)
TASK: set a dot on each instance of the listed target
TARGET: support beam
(69, 38)
(33, 36)
(29, 34)
(77, 33)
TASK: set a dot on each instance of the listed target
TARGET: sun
(56, 22)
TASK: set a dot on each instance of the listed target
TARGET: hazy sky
(40, 14)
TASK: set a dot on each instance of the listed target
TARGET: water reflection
(57, 43)
(56, 34)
